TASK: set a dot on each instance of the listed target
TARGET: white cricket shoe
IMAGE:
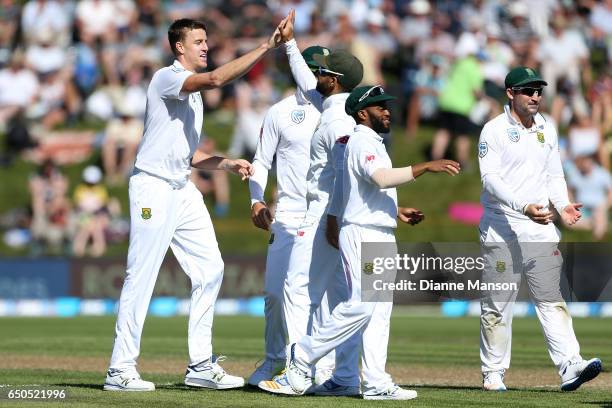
(299, 380)
(209, 374)
(266, 372)
(493, 381)
(278, 385)
(126, 380)
(394, 392)
(577, 373)
(331, 388)
(322, 376)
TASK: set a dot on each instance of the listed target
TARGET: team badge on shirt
(146, 213)
(368, 268)
(298, 115)
(483, 149)
(513, 134)
(540, 137)
(500, 266)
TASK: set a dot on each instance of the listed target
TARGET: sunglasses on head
(373, 91)
(528, 90)
(325, 71)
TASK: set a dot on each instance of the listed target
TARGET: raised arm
(233, 69)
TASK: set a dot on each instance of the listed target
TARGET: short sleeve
(169, 82)
(367, 160)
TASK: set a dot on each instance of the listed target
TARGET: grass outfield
(436, 356)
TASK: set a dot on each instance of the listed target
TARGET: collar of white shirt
(335, 99)
(538, 119)
(368, 132)
(178, 66)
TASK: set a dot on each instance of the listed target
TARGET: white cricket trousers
(369, 320)
(179, 219)
(280, 250)
(530, 249)
(314, 286)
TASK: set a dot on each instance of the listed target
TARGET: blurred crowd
(73, 75)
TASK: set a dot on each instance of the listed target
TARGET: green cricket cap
(310, 52)
(345, 63)
(520, 76)
(365, 96)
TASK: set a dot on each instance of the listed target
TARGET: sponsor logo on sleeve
(370, 157)
(298, 115)
(483, 149)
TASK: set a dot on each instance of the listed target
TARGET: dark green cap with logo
(358, 99)
(310, 52)
(345, 63)
(521, 76)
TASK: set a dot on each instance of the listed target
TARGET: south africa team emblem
(298, 116)
(513, 135)
(540, 137)
(500, 266)
(146, 213)
(368, 268)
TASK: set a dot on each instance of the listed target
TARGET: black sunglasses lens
(531, 91)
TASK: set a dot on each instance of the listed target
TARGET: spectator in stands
(122, 136)
(9, 21)
(591, 185)
(423, 105)
(252, 103)
(458, 96)
(518, 33)
(215, 182)
(46, 15)
(92, 213)
(585, 139)
(51, 210)
(564, 58)
(601, 22)
(19, 88)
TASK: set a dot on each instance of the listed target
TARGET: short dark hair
(179, 28)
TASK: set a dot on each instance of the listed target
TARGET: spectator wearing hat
(91, 205)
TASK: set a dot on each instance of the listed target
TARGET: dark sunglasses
(373, 91)
(529, 91)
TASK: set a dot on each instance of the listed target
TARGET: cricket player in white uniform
(167, 210)
(286, 133)
(521, 174)
(315, 281)
(370, 209)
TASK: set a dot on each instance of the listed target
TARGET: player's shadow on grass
(478, 388)
(95, 386)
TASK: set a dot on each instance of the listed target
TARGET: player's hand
(539, 213)
(240, 167)
(286, 27)
(571, 213)
(410, 216)
(332, 231)
(260, 215)
(443, 166)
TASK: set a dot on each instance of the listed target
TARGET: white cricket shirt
(520, 166)
(365, 203)
(172, 126)
(286, 132)
(327, 155)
